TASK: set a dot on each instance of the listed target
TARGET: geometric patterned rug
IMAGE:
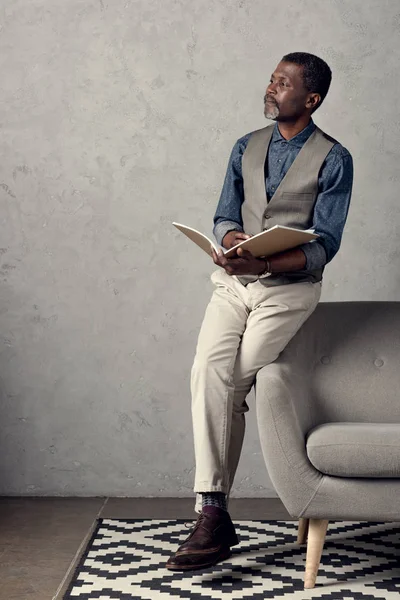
(125, 560)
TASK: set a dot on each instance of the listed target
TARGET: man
(289, 173)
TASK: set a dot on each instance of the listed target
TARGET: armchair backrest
(350, 353)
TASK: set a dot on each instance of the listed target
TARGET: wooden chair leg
(316, 538)
(303, 531)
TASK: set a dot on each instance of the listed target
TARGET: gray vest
(292, 203)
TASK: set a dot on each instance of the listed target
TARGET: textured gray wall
(118, 117)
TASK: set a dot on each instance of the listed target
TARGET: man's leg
(212, 381)
(277, 313)
(212, 395)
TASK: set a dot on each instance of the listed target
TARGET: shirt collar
(298, 140)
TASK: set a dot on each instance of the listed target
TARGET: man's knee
(211, 366)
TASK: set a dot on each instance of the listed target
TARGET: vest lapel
(253, 162)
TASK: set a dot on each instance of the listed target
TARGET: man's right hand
(232, 238)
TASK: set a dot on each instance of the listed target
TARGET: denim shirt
(335, 184)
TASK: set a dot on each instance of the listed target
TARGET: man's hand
(232, 238)
(244, 264)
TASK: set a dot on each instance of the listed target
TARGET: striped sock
(217, 499)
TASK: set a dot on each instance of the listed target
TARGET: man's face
(286, 97)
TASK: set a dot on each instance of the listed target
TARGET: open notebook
(266, 243)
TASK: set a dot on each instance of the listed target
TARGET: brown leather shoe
(208, 543)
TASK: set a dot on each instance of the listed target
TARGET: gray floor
(42, 538)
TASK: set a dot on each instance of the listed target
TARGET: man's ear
(313, 101)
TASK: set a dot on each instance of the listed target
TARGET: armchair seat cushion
(355, 449)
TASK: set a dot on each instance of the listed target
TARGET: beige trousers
(244, 329)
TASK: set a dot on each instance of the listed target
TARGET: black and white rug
(125, 560)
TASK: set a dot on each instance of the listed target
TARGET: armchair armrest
(285, 414)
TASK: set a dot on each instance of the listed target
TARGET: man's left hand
(244, 264)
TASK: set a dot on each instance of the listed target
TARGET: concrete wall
(118, 117)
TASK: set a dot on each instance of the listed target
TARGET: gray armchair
(328, 412)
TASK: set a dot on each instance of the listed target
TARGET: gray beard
(271, 112)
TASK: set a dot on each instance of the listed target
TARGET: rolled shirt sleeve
(315, 255)
(223, 227)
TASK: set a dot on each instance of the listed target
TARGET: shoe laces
(194, 524)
